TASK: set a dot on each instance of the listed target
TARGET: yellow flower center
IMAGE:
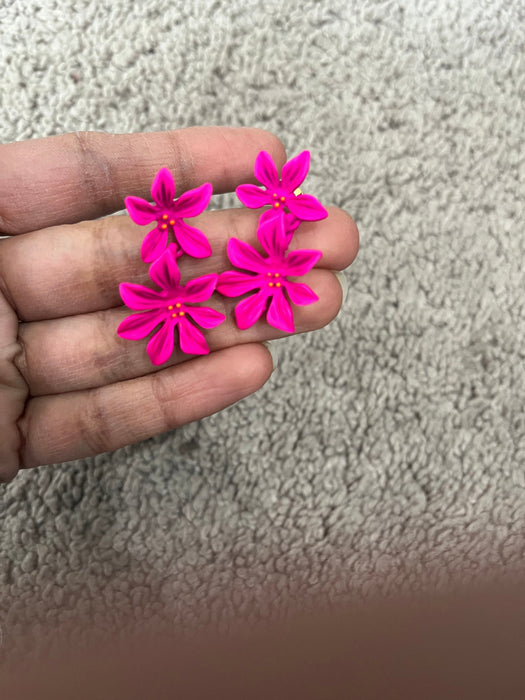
(282, 200)
(175, 314)
(274, 276)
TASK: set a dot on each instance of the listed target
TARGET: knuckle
(7, 226)
(95, 424)
(109, 361)
(181, 158)
(96, 176)
(105, 251)
(168, 400)
(8, 215)
(14, 391)
(20, 359)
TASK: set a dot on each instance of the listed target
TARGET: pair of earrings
(266, 277)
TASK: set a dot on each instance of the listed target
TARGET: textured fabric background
(389, 448)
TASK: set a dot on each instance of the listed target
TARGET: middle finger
(75, 269)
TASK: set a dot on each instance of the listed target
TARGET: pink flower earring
(270, 273)
(174, 307)
(171, 308)
(169, 215)
(282, 193)
(270, 278)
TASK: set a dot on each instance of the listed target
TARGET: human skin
(69, 386)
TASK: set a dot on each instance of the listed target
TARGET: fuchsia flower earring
(171, 307)
(277, 225)
(169, 216)
(266, 277)
(271, 277)
(280, 193)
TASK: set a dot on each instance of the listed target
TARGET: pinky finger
(84, 423)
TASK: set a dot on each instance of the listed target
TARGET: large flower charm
(279, 193)
(270, 277)
(171, 308)
(169, 215)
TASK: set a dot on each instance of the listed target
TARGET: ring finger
(84, 351)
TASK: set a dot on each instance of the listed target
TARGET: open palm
(69, 386)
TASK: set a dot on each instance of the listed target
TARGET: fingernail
(273, 349)
(341, 277)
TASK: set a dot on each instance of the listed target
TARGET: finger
(85, 351)
(84, 175)
(80, 267)
(79, 424)
(13, 392)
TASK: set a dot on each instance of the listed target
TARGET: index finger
(84, 175)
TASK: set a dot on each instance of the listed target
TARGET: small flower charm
(279, 193)
(169, 215)
(171, 308)
(270, 278)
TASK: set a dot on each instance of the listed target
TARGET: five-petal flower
(170, 307)
(169, 215)
(279, 192)
(270, 278)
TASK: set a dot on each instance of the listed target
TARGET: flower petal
(299, 262)
(244, 256)
(306, 207)
(205, 316)
(193, 202)
(165, 271)
(138, 297)
(252, 196)
(191, 339)
(233, 284)
(160, 347)
(249, 310)
(201, 288)
(280, 313)
(153, 245)
(192, 240)
(138, 326)
(140, 211)
(163, 188)
(291, 222)
(272, 235)
(295, 170)
(265, 171)
(300, 293)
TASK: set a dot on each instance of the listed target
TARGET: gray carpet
(389, 448)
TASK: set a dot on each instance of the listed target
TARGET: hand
(69, 386)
